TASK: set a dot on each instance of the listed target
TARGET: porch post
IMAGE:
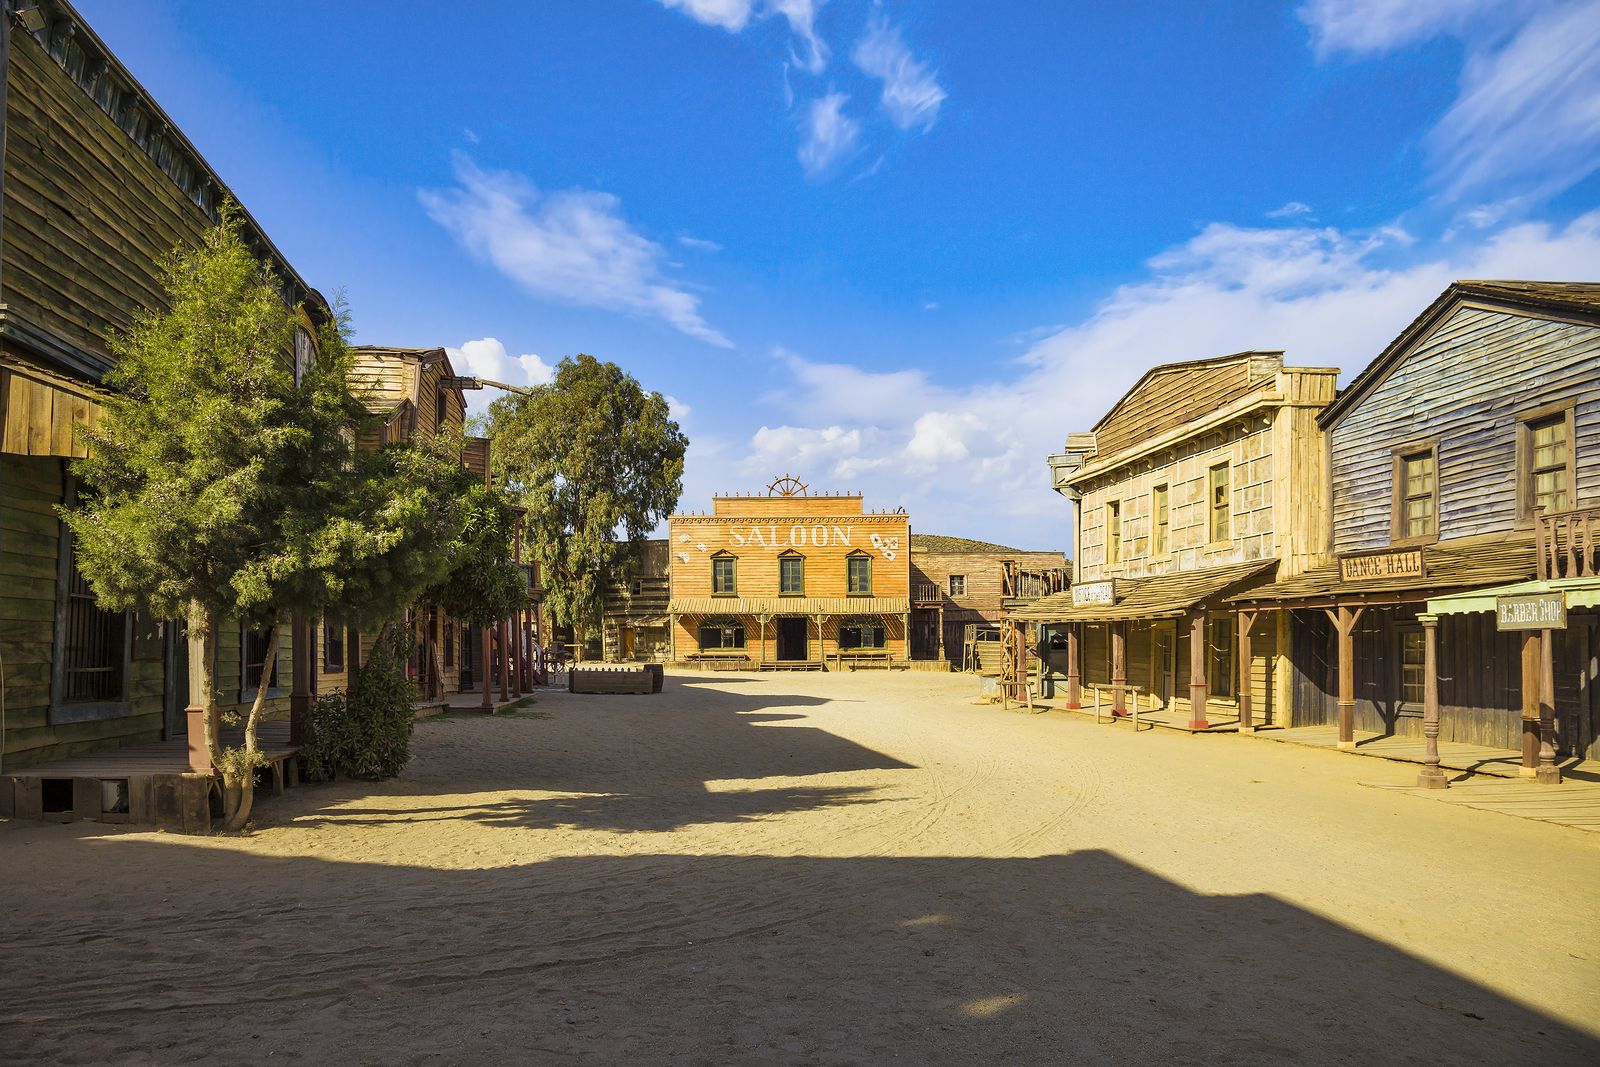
(762, 619)
(1119, 670)
(1431, 776)
(1247, 622)
(487, 685)
(1074, 672)
(1197, 670)
(1346, 625)
(1549, 773)
(300, 694)
(672, 637)
(505, 693)
(1531, 669)
(514, 652)
(822, 656)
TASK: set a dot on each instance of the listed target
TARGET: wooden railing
(1028, 583)
(1569, 543)
(926, 593)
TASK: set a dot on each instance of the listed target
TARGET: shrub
(365, 734)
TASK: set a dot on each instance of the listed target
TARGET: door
(792, 640)
(1162, 640)
(467, 676)
(627, 642)
(177, 687)
(925, 635)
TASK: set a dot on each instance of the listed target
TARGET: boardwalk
(814, 869)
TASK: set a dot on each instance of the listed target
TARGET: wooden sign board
(1532, 611)
(1097, 593)
(1406, 563)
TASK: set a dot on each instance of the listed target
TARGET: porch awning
(39, 408)
(1461, 563)
(790, 605)
(1580, 593)
(1162, 597)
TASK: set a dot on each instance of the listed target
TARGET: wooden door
(1162, 641)
(625, 634)
(792, 639)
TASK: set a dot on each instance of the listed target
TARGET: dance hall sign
(1404, 564)
(1532, 611)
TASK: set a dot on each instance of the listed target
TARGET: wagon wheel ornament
(788, 485)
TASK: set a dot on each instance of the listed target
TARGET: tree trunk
(577, 641)
(203, 677)
(236, 819)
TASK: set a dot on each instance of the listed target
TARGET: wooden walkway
(1574, 803)
(1454, 755)
(158, 757)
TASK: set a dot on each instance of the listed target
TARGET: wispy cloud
(731, 15)
(807, 52)
(573, 246)
(911, 94)
(699, 244)
(487, 357)
(1293, 209)
(828, 134)
(1528, 110)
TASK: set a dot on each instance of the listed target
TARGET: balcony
(1031, 583)
(1568, 543)
(926, 593)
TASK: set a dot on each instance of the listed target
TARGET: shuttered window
(1161, 521)
(1417, 481)
(1220, 525)
(1113, 531)
(94, 647)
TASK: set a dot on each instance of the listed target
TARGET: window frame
(1526, 472)
(1403, 704)
(247, 692)
(333, 624)
(1161, 524)
(1225, 468)
(1219, 632)
(1112, 522)
(850, 563)
(305, 356)
(791, 557)
(860, 624)
(1398, 499)
(732, 563)
(950, 584)
(63, 711)
(724, 624)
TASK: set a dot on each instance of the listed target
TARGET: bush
(367, 734)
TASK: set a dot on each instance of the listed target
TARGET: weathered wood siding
(732, 530)
(983, 573)
(1170, 396)
(1464, 387)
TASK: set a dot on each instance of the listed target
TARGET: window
(305, 354)
(1219, 656)
(447, 643)
(1113, 531)
(958, 585)
(1411, 667)
(723, 577)
(791, 575)
(863, 633)
(638, 587)
(1549, 462)
(332, 644)
(1160, 521)
(253, 657)
(1220, 528)
(721, 633)
(858, 575)
(94, 642)
(1415, 507)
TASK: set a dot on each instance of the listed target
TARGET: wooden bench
(718, 660)
(857, 658)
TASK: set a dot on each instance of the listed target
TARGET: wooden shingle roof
(1164, 596)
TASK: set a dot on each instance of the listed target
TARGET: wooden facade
(789, 582)
(956, 583)
(98, 186)
(1482, 416)
(1206, 477)
(634, 622)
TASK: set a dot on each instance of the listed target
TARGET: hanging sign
(1531, 611)
(1407, 563)
(1094, 593)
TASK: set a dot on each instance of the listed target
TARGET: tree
(219, 486)
(598, 463)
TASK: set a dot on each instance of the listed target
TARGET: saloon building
(1208, 477)
(789, 580)
(1458, 602)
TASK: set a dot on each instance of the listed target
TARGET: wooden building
(633, 613)
(957, 583)
(790, 580)
(1477, 428)
(1207, 477)
(98, 185)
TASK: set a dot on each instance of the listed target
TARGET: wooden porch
(1453, 755)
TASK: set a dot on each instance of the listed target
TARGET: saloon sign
(798, 535)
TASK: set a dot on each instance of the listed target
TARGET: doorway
(1163, 639)
(792, 640)
(177, 680)
(471, 646)
(626, 636)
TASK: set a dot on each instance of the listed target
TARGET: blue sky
(900, 247)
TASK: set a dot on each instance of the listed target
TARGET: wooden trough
(614, 678)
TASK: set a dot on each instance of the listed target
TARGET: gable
(1178, 393)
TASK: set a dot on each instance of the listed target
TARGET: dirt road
(814, 869)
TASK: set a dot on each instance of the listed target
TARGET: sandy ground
(814, 869)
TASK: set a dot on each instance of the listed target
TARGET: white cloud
(678, 408)
(812, 56)
(911, 93)
(1293, 209)
(487, 357)
(572, 246)
(731, 15)
(1528, 107)
(969, 460)
(699, 244)
(829, 134)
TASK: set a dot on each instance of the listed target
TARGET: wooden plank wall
(688, 637)
(40, 418)
(757, 566)
(1465, 386)
(1171, 397)
(982, 571)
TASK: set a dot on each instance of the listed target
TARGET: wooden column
(1548, 773)
(1197, 671)
(505, 658)
(513, 632)
(1119, 670)
(301, 632)
(1344, 621)
(202, 649)
(1074, 671)
(762, 619)
(1431, 776)
(487, 684)
(1247, 722)
(1531, 670)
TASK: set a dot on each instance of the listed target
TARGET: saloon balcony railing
(1568, 543)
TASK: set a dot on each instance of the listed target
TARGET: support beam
(1247, 622)
(300, 631)
(1074, 671)
(1197, 670)
(513, 650)
(487, 681)
(1119, 670)
(1344, 621)
(1531, 670)
(1548, 773)
(1431, 776)
(505, 667)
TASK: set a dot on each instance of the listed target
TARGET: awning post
(1531, 683)
(1074, 673)
(1119, 670)
(1247, 621)
(1197, 670)
(1549, 773)
(1431, 777)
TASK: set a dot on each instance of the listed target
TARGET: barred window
(94, 644)
(332, 644)
(253, 656)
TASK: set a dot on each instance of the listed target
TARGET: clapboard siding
(1170, 396)
(1465, 386)
(983, 572)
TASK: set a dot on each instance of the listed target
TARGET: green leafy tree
(598, 463)
(483, 584)
(219, 486)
